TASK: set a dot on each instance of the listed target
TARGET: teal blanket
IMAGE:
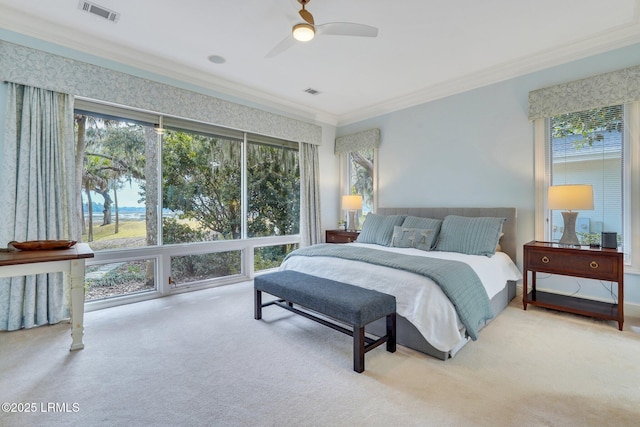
(457, 280)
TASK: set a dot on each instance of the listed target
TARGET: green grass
(126, 230)
(131, 233)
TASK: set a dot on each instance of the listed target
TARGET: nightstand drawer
(586, 265)
(341, 236)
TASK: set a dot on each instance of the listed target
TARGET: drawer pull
(545, 259)
(593, 264)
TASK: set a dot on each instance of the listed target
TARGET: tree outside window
(199, 197)
(358, 153)
(360, 173)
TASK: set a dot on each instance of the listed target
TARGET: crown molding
(623, 36)
(27, 25)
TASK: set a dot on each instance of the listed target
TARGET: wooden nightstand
(600, 264)
(341, 236)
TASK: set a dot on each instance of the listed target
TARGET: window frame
(161, 253)
(345, 184)
(631, 181)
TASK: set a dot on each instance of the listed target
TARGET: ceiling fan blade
(306, 16)
(285, 44)
(347, 29)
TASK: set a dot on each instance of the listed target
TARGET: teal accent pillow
(378, 229)
(472, 236)
(418, 238)
(426, 223)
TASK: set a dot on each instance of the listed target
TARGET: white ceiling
(424, 50)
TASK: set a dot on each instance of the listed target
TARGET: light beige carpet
(200, 359)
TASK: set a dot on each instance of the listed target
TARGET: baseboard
(631, 310)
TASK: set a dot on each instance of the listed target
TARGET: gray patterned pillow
(378, 229)
(418, 238)
(426, 223)
(470, 235)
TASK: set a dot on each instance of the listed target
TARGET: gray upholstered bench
(345, 303)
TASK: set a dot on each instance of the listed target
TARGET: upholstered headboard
(508, 241)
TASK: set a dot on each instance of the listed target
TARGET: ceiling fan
(306, 31)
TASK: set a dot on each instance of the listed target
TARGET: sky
(128, 196)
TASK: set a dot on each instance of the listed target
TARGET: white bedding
(418, 298)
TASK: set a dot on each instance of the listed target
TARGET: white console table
(70, 261)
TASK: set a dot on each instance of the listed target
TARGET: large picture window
(170, 203)
(273, 183)
(115, 181)
(201, 187)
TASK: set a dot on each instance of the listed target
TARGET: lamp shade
(351, 202)
(571, 197)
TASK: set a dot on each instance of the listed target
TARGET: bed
(428, 320)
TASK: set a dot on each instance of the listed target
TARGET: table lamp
(570, 197)
(351, 204)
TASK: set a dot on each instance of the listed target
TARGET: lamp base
(569, 236)
(351, 226)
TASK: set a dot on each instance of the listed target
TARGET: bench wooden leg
(358, 349)
(257, 310)
(391, 333)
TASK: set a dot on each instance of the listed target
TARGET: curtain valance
(31, 67)
(358, 141)
(603, 90)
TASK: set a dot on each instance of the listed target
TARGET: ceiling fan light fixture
(303, 32)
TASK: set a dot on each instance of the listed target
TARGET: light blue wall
(3, 115)
(476, 148)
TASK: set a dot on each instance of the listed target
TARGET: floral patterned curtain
(310, 228)
(37, 198)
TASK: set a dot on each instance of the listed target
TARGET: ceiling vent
(312, 91)
(100, 11)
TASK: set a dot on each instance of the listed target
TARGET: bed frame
(407, 334)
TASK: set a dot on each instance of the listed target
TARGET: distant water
(129, 214)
